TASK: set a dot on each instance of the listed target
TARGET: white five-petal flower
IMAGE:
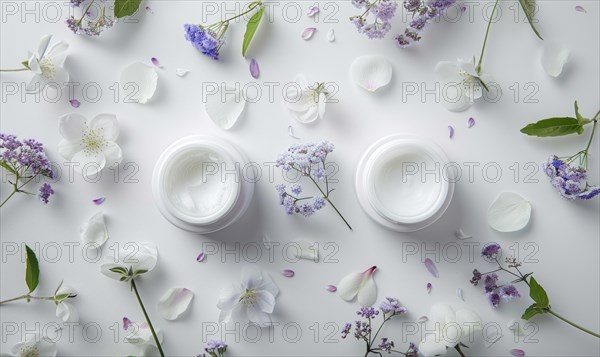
(306, 102)
(359, 285)
(64, 309)
(35, 346)
(94, 230)
(253, 299)
(47, 64)
(447, 328)
(131, 261)
(90, 143)
(460, 84)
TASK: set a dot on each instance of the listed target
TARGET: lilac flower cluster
(215, 348)
(423, 14)
(568, 180)
(391, 306)
(90, 23)
(25, 160)
(293, 204)
(491, 251)
(494, 292)
(382, 11)
(204, 40)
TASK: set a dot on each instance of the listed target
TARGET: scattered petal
(291, 132)
(288, 273)
(308, 33)
(313, 10)
(470, 122)
(371, 72)
(94, 230)
(98, 201)
(423, 319)
(126, 323)
(149, 10)
(359, 285)
(517, 352)
(174, 302)
(307, 250)
(139, 81)
(201, 258)
(181, 72)
(254, 70)
(331, 288)
(580, 9)
(331, 35)
(431, 267)
(75, 103)
(459, 293)
(67, 312)
(460, 234)
(554, 56)
(429, 287)
(225, 106)
(156, 62)
(509, 212)
(450, 131)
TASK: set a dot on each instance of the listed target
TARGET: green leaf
(529, 8)
(32, 270)
(251, 29)
(553, 127)
(538, 294)
(8, 168)
(582, 121)
(118, 270)
(530, 312)
(126, 7)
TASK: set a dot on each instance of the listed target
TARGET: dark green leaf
(530, 312)
(126, 7)
(553, 127)
(26, 64)
(118, 270)
(582, 121)
(538, 294)
(8, 168)
(32, 270)
(529, 8)
(251, 29)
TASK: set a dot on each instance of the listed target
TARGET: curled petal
(291, 132)
(175, 302)
(98, 201)
(288, 273)
(313, 10)
(94, 230)
(181, 72)
(201, 258)
(367, 294)
(470, 122)
(371, 72)
(349, 285)
(225, 106)
(307, 250)
(459, 293)
(331, 35)
(140, 80)
(429, 287)
(430, 265)
(67, 312)
(422, 319)
(517, 352)
(254, 69)
(75, 103)
(308, 33)
(460, 234)
(331, 288)
(509, 212)
(450, 131)
(126, 323)
(155, 62)
(554, 56)
(580, 8)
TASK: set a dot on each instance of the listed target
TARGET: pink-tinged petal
(291, 133)
(75, 103)
(313, 10)
(470, 122)
(126, 323)
(517, 352)
(174, 303)
(149, 10)
(288, 273)
(201, 257)
(98, 201)
(429, 286)
(459, 293)
(580, 9)
(450, 131)
(155, 62)
(254, 70)
(331, 288)
(308, 33)
(431, 268)
(423, 319)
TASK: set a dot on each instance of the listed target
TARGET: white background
(563, 235)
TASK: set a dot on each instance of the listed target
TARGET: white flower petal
(371, 72)
(349, 285)
(266, 301)
(174, 302)
(331, 35)
(182, 72)
(139, 80)
(44, 346)
(37, 83)
(553, 57)
(307, 250)
(89, 164)
(58, 53)
(106, 125)
(105, 268)
(509, 212)
(68, 149)
(60, 77)
(470, 323)
(72, 126)
(255, 315)
(460, 234)
(94, 231)
(66, 289)
(67, 312)
(145, 258)
(225, 106)
(113, 154)
(228, 297)
(43, 45)
(308, 33)
(432, 345)
(322, 104)
(442, 314)
(367, 294)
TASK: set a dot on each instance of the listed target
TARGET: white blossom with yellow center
(47, 65)
(35, 346)
(459, 84)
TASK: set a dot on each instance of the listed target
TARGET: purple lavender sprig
(215, 348)
(423, 13)
(25, 160)
(382, 12)
(363, 329)
(496, 292)
(310, 160)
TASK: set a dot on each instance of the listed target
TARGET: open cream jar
(198, 184)
(401, 182)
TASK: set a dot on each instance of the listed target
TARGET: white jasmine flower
(460, 84)
(35, 346)
(306, 102)
(64, 309)
(47, 64)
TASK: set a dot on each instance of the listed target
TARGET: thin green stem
(15, 70)
(139, 299)
(27, 297)
(15, 190)
(573, 324)
(85, 11)
(587, 148)
(251, 7)
(487, 31)
(460, 352)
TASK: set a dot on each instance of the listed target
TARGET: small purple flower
(318, 203)
(490, 282)
(392, 305)
(296, 189)
(75, 103)
(215, 347)
(509, 292)
(346, 330)
(476, 277)
(367, 312)
(570, 181)
(491, 251)
(126, 323)
(385, 11)
(494, 299)
(45, 192)
(98, 201)
(203, 40)
(386, 345)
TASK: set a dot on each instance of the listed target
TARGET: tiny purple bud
(201, 257)
(470, 122)
(149, 10)
(331, 288)
(517, 352)
(431, 268)
(580, 9)
(288, 273)
(312, 11)
(98, 201)
(75, 103)
(254, 70)
(429, 286)
(451, 131)
(126, 323)
(155, 62)
(308, 33)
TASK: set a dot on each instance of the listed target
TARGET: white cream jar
(198, 184)
(402, 183)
